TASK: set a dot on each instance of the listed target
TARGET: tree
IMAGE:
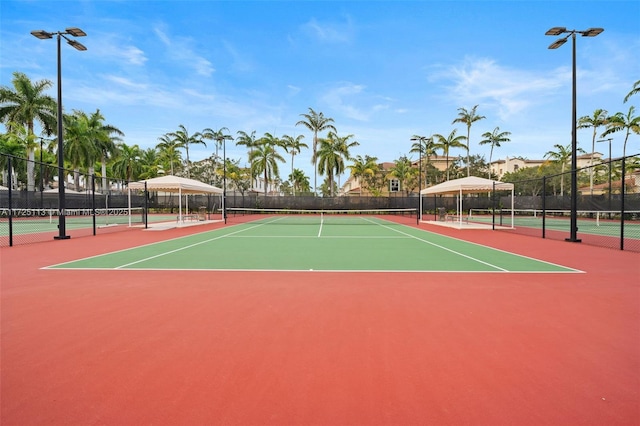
(79, 144)
(27, 104)
(598, 119)
(562, 157)
(494, 138)
(105, 137)
(183, 140)
(330, 157)
(264, 159)
(619, 122)
(468, 118)
(634, 91)
(344, 145)
(404, 172)
(127, 164)
(316, 122)
(293, 145)
(364, 169)
(299, 181)
(168, 151)
(446, 143)
(249, 141)
(425, 147)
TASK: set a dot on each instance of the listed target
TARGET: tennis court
(150, 327)
(290, 241)
(598, 223)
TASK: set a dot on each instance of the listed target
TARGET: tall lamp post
(41, 34)
(609, 140)
(591, 32)
(420, 140)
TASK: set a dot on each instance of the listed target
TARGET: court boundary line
(408, 236)
(360, 271)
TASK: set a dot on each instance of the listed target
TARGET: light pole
(41, 34)
(591, 32)
(609, 140)
(420, 140)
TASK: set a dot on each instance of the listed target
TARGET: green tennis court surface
(357, 244)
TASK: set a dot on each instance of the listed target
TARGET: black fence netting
(607, 201)
(33, 209)
(607, 205)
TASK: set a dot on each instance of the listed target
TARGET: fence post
(93, 202)
(9, 169)
(146, 206)
(544, 205)
(622, 191)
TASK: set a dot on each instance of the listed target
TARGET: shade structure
(468, 185)
(177, 184)
(3, 188)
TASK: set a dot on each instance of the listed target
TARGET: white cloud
(330, 32)
(180, 50)
(510, 91)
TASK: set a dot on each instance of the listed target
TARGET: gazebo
(177, 184)
(468, 185)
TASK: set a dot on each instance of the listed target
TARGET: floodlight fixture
(558, 43)
(592, 32)
(76, 45)
(41, 34)
(556, 31)
(76, 32)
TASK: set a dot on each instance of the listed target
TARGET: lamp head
(76, 32)
(556, 31)
(592, 32)
(41, 34)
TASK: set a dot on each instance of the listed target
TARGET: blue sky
(383, 70)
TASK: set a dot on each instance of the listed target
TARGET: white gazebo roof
(471, 184)
(176, 184)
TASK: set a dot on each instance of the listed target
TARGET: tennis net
(325, 217)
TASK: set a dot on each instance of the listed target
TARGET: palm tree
(293, 145)
(468, 118)
(425, 147)
(183, 140)
(168, 149)
(494, 138)
(264, 158)
(562, 157)
(403, 171)
(331, 155)
(105, 138)
(599, 118)
(364, 169)
(149, 163)
(78, 144)
(128, 165)
(299, 181)
(316, 122)
(634, 91)
(446, 143)
(25, 104)
(344, 145)
(249, 141)
(628, 122)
